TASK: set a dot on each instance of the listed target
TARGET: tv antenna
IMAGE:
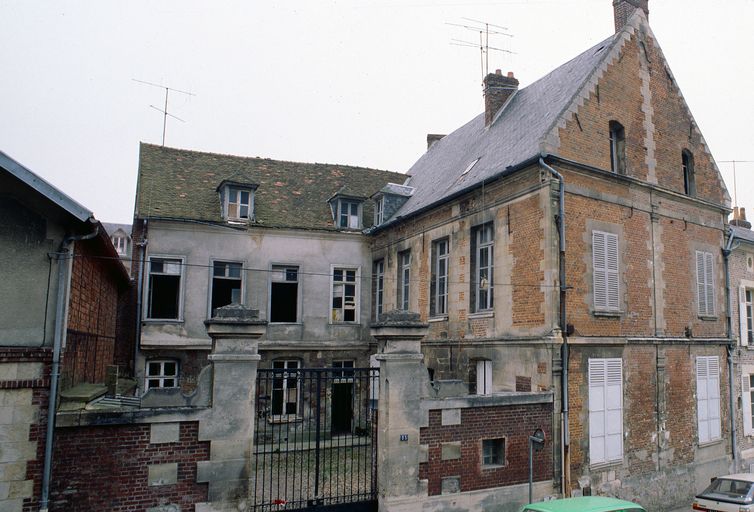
(485, 30)
(164, 110)
(734, 162)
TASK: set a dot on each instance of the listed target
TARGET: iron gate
(315, 439)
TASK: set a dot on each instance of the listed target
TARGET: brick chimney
(497, 90)
(623, 9)
(739, 218)
(432, 138)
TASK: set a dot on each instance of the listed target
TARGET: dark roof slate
(181, 184)
(516, 135)
(742, 233)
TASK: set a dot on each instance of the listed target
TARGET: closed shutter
(483, 377)
(605, 410)
(746, 404)
(742, 317)
(704, 288)
(709, 289)
(708, 398)
(605, 270)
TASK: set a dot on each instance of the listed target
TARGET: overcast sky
(356, 82)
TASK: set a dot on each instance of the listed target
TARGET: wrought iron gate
(315, 439)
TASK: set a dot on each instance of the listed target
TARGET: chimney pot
(510, 74)
(498, 72)
(739, 218)
(497, 90)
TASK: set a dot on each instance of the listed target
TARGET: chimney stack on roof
(623, 9)
(739, 218)
(432, 138)
(497, 90)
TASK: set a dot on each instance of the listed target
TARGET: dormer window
(349, 215)
(237, 201)
(379, 210)
(121, 244)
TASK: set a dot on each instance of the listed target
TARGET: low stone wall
(128, 467)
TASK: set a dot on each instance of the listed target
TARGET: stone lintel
(234, 358)
(400, 356)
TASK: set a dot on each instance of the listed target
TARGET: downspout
(60, 310)
(729, 325)
(139, 288)
(564, 351)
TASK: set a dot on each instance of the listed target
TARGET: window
(687, 164)
(379, 210)
(162, 374)
(708, 398)
(348, 214)
(345, 374)
(482, 377)
(284, 294)
(747, 397)
(605, 271)
(605, 410)
(344, 295)
(493, 452)
(746, 315)
(404, 279)
(482, 257)
(617, 148)
(438, 302)
(705, 291)
(285, 388)
(164, 292)
(379, 287)
(239, 204)
(121, 244)
(226, 284)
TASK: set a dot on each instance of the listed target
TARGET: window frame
(435, 292)
(606, 295)
(378, 284)
(212, 278)
(746, 314)
(705, 283)
(227, 203)
(483, 377)
(502, 452)
(162, 376)
(617, 147)
(705, 371)
(120, 242)
(604, 375)
(357, 294)
(689, 178)
(747, 397)
(478, 247)
(404, 280)
(379, 210)
(348, 214)
(285, 267)
(181, 261)
(285, 375)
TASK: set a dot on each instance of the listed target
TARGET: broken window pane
(284, 294)
(226, 284)
(164, 289)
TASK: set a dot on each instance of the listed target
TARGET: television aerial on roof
(164, 110)
(485, 30)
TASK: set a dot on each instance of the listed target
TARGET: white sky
(356, 82)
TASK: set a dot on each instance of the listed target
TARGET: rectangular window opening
(439, 280)
(344, 295)
(605, 410)
(404, 279)
(226, 284)
(705, 283)
(493, 452)
(284, 294)
(164, 289)
(605, 271)
(482, 267)
(378, 284)
(285, 388)
(708, 398)
(161, 374)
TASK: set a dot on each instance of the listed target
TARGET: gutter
(62, 256)
(564, 350)
(729, 350)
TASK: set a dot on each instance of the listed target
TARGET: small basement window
(162, 374)
(493, 452)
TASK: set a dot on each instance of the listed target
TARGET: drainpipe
(564, 351)
(62, 257)
(139, 289)
(729, 325)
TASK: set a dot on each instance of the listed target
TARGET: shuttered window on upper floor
(605, 271)
(705, 290)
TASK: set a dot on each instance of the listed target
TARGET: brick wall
(107, 468)
(514, 423)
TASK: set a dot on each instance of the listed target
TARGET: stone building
(568, 239)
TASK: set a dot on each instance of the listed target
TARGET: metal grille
(315, 438)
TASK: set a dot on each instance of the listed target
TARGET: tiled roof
(518, 134)
(178, 183)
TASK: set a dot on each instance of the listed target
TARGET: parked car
(734, 493)
(584, 504)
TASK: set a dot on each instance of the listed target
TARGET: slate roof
(181, 184)
(742, 233)
(112, 227)
(516, 135)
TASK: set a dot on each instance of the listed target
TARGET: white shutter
(605, 410)
(708, 280)
(742, 317)
(599, 271)
(605, 274)
(483, 377)
(746, 404)
(708, 398)
(700, 293)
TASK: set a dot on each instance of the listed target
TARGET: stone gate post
(229, 426)
(403, 383)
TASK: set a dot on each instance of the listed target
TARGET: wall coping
(84, 418)
(493, 400)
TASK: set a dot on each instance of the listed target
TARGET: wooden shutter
(605, 410)
(704, 287)
(708, 398)
(483, 377)
(742, 317)
(746, 404)
(708, 279)
(605, 270)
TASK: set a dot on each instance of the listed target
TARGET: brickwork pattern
(514, 423)
(106, 468)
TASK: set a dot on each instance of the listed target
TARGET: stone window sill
(482, 314)
(607, 314)
(713, 442)
(708, 318)
(435, 319)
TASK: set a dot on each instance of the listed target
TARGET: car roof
(747, 477)
(583, 504)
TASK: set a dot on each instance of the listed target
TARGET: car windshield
(726, 489)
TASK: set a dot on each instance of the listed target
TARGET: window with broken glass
(284, 294)
(482, 261)
(161, 374)
(344, 295)
(226, 284)
(164, 289)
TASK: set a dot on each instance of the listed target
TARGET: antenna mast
(164, 110)
(734, 162)
(483, 28)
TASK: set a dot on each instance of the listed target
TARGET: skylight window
(471, 166)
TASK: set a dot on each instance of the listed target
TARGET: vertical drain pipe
(729, 326)
(564, 351)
